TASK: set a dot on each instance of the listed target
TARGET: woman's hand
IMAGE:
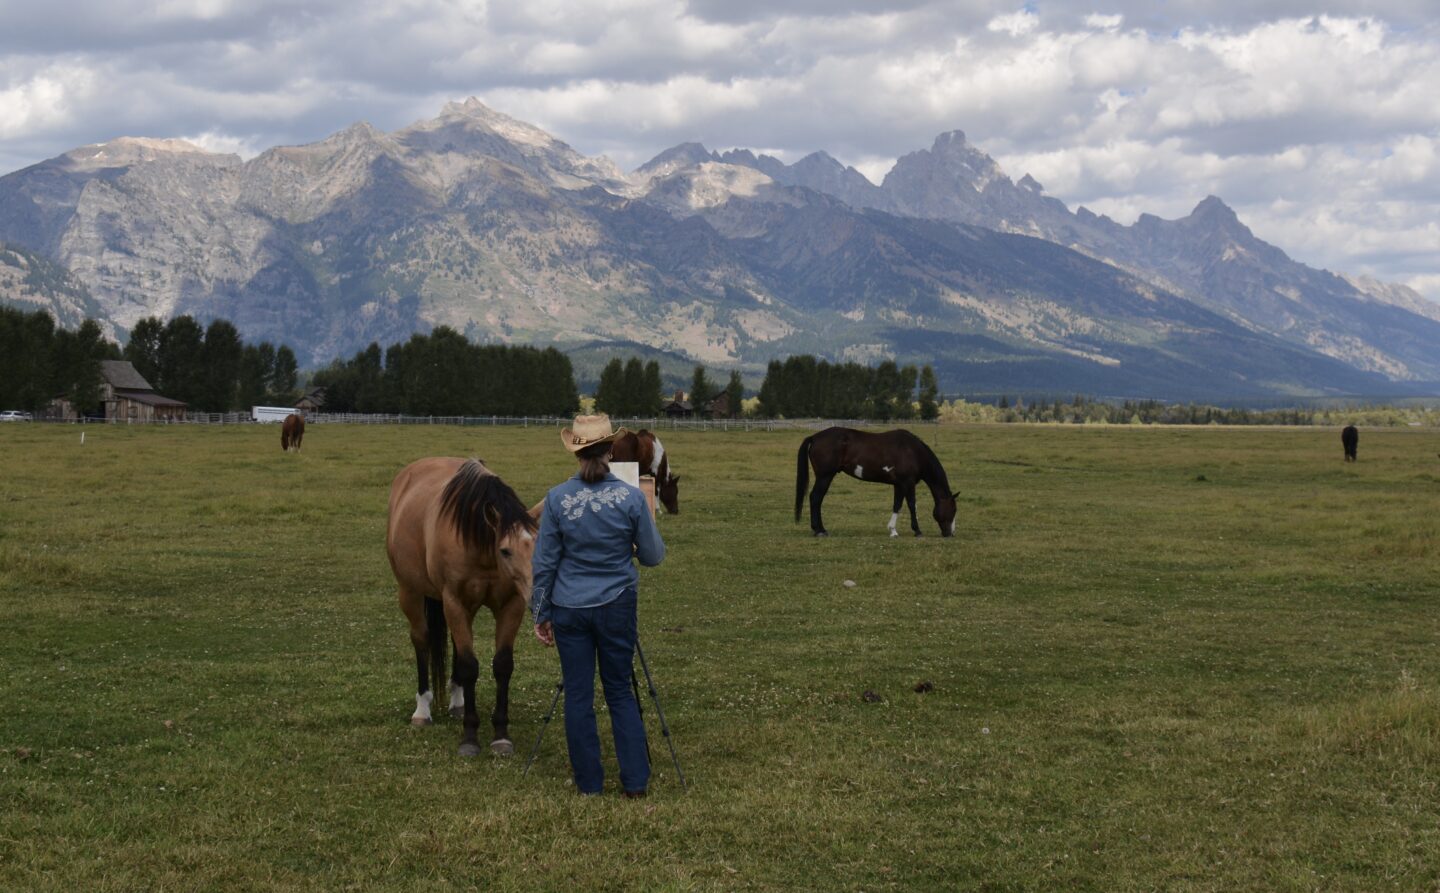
(545, 632)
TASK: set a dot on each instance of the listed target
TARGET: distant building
(313, 401)
(678, 407)
(128, 397)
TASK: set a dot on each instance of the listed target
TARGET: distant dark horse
(292, 432)
(458, 540)
(644, 447)
(1350, 438)
(898, 458)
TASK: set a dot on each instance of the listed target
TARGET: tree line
(803, 386)
(634, 389)
(443, 373)
(39, 361)
(211, 368)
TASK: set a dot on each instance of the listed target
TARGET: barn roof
(123, 374)
(149, 398)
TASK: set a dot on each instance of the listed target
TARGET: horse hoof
(420, 722)
(469, 749)
(457, 712)
(502, 747)
(894, 533)
(821, 533)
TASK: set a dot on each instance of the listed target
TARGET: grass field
(1163, 659)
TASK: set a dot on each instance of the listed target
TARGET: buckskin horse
(458, 539)
(292, 431)
(644, 448)
(897, 457)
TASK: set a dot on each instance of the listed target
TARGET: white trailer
(271, 413)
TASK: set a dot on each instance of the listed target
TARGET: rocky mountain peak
(128, 150)
(1030, 183)
(677, 157)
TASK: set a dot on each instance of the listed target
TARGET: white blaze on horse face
(422, 707)
(895, 516)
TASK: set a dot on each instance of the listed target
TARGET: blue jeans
(604, 635)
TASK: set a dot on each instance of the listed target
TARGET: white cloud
(1016, 24)
(44, 101)
(1104, 22)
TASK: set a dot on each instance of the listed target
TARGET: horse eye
(505, 552)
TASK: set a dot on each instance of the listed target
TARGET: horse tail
(436, 632)
(802, 474)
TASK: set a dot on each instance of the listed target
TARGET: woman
(584, 598)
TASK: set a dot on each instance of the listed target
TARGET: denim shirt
(588, 535)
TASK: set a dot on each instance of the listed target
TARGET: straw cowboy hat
(588, 431)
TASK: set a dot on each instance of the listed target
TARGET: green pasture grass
(1162, 659)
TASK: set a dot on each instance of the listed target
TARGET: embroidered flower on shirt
(575, 503)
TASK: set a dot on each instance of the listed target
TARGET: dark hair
(481, 507)
(594, 462)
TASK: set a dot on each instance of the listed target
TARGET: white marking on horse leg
(859, 472)
(421, 716)
(952, 528)
(457, 698)
(894, 516)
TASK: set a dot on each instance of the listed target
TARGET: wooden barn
(128, 397)
(313, 401)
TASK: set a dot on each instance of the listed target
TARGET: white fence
(654, 424)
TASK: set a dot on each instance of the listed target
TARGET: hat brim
(567, 438)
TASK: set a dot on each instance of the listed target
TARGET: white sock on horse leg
(457, 697)
(422, 707)
(893, 518)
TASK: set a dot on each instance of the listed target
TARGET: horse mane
(481, 507)
(934, 474)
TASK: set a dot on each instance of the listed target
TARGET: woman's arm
(649, 548)
(549, 549)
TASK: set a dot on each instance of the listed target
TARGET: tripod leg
(559, 688)
(660, 711)
(640, 708)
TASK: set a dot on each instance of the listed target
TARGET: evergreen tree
(701, 390)
(609, 394)
(654, 399)
(771, 389)
(181, 360)
(633, 388)
(257, 364)
(735, 393)
(143, 351)
(929, 394)
(283, 376)
(220, 369)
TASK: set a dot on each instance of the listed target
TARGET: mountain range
(490, 225)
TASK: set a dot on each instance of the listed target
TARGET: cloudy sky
(1317, 121)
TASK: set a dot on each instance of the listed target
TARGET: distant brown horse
(1350, 439)
(458, 539)
(897, 457)
(645, 448)
(292, 432)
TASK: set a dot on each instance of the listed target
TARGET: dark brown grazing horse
(292, 432)
(897, 457)
(645, 448)
(1350, 439)
(459, 539)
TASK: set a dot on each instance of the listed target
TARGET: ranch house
(313, 401)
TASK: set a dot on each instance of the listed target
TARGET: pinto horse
(292, 432)
(897, 457)
(645, 448)
(458, 539)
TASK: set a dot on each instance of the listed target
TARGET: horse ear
(674, 478)
(955, 495)
(537, 510)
